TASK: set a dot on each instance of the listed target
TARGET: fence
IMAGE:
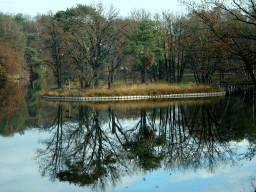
(136, 97)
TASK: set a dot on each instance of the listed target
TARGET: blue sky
(32, 7)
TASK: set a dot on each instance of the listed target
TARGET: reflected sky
(237, 177)
(19, 171)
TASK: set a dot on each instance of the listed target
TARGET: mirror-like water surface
(180, 146)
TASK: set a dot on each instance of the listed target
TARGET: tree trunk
(249, 68)
(110, 77)
(173, 68)
(166, 68)
(96, 79)
(143, 75)
(58, 80)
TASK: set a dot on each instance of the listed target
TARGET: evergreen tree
(143, 46)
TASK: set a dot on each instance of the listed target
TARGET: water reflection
(13, 109)
(82, 151)
(97, 148)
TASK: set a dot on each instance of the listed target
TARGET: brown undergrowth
(149, 89)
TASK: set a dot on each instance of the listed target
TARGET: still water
(193, 145)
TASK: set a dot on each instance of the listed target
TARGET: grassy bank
(149, 89)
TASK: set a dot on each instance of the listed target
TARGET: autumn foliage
(12, 63)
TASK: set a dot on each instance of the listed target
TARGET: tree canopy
(143, 45)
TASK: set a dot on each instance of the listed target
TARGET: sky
(32, 7)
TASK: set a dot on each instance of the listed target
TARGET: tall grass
(149, 89)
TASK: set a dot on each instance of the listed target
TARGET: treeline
(89, 43)
(19, 45)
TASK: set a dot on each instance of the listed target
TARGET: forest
(91, 44)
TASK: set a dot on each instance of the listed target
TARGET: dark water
(187, 146)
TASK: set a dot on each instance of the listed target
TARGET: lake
(185, 145)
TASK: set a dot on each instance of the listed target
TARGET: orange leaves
(10, 97)
(148, 60)
(12, 63)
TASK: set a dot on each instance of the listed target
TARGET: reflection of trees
(250, 127)
(143, 142)
(33, 102)
(194, 139)
(95, 148)
(82, 151)
(86, 169)
(13, 109)
(52, 156)
(188, 137)
(199, 135)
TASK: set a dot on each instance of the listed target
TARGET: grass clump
(148, 89)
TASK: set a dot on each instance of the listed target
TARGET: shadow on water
(98, 147)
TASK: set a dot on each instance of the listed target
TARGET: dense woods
(92, 45)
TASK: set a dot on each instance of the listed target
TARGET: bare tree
(93, 34)
(233, 24)
(53, 45)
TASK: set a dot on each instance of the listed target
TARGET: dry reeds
(149, 89)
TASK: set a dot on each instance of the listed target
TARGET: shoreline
(133, 98)
(136, 90)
